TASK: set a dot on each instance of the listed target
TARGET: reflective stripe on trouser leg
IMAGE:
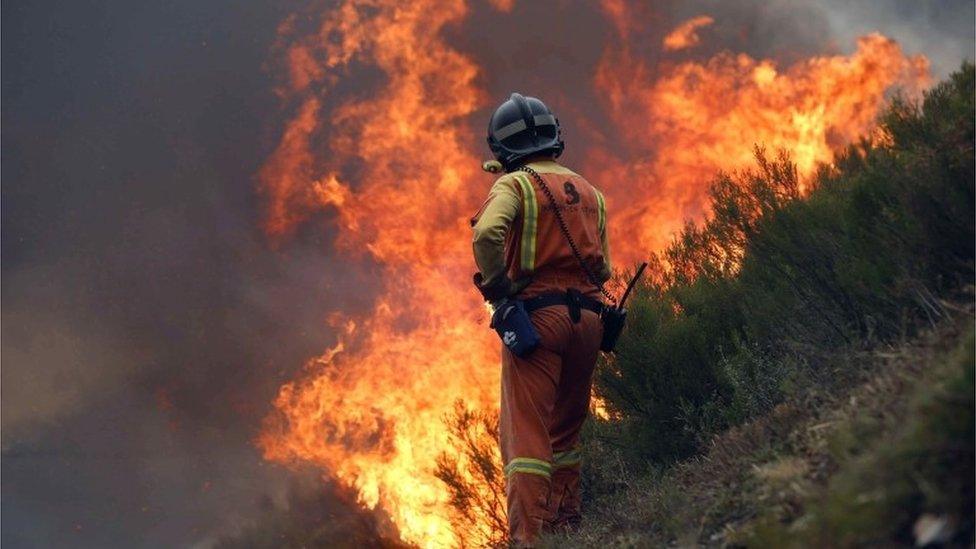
(528, 465)
(568, 458)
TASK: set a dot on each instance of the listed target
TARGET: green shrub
(740, 307)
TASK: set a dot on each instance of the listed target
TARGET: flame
(685, 35)
(388, 162)
(370, 411)
(684, 124)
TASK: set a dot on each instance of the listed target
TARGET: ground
(813, 472)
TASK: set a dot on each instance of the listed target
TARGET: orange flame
(685, 35)
(394, 166)
(694, 119)
(372, 416)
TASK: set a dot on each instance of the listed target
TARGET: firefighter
(541, 238)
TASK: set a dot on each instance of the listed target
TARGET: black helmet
(522, 127)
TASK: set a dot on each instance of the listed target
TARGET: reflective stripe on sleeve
(530, 220)
(529, 465)
(601, 211)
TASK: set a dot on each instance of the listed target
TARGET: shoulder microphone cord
(565, 230)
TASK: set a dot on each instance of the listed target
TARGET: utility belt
(514, 325)
(573, 299)
(613, 318)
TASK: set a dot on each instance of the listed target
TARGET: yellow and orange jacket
(517, 235)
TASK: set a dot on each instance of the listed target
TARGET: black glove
(496, 291)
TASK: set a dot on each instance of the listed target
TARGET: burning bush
(746, 302)
(472, 471)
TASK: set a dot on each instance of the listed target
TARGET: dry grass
(769, 469)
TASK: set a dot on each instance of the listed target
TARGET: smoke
(147, 322)
(943, 31)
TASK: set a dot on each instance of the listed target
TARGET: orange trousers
(545, 400)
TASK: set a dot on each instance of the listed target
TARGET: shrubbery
(742, 305)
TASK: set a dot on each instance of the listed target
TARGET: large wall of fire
(381, 145)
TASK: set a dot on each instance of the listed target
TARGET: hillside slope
(859, 463)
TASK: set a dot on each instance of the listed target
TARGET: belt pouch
(514, 327)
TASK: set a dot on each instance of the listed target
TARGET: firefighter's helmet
(522, 127)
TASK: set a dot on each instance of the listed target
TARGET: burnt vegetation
(801, 351)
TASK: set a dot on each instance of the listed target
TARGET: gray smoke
(146, 322)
